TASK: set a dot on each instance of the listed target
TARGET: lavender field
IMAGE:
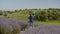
(42, 29)
(14, 26)
(11, 26)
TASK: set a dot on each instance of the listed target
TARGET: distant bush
(10, 12)
(15, 10)
(5, 14)
(41, 16)
(45, 15)
(1, 13)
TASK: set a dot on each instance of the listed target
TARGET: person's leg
(31, 24)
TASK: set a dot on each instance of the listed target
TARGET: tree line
(47, 14)
(41, 14)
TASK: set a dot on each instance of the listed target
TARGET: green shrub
(1, 13)
(41, 16)
(5, 14)
(46, 15)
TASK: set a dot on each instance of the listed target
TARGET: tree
(41, 16)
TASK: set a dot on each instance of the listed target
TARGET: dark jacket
(31, 18)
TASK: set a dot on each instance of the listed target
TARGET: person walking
(31, 18)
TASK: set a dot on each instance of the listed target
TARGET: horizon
(28, 4)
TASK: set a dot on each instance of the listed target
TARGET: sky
(30, 4)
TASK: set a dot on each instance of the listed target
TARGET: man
(31, 18)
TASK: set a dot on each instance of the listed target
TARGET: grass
(19, 15)
(49, 22)
(23, 15)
